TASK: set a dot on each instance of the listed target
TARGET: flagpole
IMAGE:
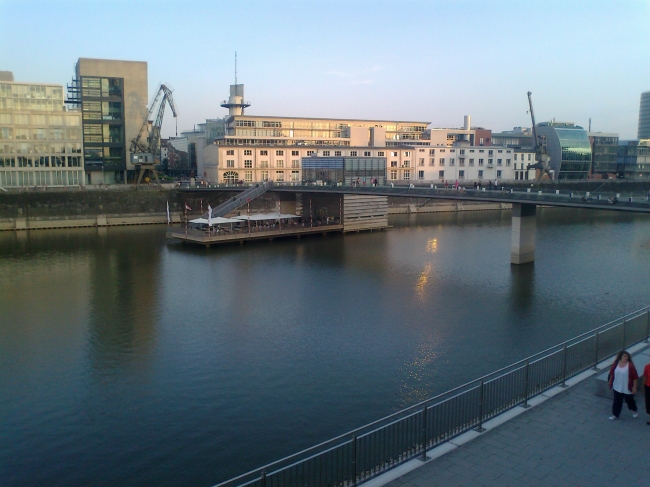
(248, 203)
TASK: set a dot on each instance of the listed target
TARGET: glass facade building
(344, 170)
(569, 149)
(40, 141)
(644, 116)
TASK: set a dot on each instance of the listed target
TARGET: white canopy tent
(217, 220)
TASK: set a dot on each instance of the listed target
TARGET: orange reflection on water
(422, 280)
(432, 245)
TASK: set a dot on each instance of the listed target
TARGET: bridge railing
(366, 452)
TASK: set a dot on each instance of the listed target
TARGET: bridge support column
(522, 248)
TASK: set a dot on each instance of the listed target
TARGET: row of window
(42, 161)
(233, 176)
(31, 104)
(8, 133)
(40, 178)
(441, 175)
(37, 148)
(248, 164)
(326, 153)
(41, 119)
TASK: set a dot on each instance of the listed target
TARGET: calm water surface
(126, 360)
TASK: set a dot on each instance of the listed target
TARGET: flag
(168, 219)
(187, 207)
(209, 216)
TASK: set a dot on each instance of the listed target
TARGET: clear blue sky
(406, 60)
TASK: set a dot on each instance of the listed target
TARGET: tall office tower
(644, 116)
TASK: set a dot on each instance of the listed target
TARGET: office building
(644, 116)
(634, 159)
(112, 96)
(569, 149)
(40, 140)
(604, 154)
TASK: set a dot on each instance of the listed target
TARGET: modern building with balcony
(634, 159)
(40, 140)
(604, 154)
(569, 149)
(112, 96)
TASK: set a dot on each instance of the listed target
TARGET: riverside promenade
(566, 439)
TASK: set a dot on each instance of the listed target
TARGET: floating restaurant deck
(243, 234)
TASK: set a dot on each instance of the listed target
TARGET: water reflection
(522, 288)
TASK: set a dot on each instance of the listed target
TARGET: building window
(461, 174)
(407, 154)
(490, 162)
(264, 164)
(295, 163)
(498, 173)
(407, 175)
(393, 163)
(264, 153)
(480, 174)
(480, 162)
(380, 153)
(528, 157)
(248, 152)
(490, 153)
(499, 162)
(471, 162)
(279, 152)
(432, 162)
(421, 162)
(265, 175)
(295, 153)
(462, 151)
(432, 152)
(230, 177)
(507, 162)
(441, 174)
(441, 161)
(406, 164)
(499, 151)
(248, 176)
(230, 152)
(366, 154)
(420, 174)
(279, 176)
(393, 154)
(279, 163)
(442, 150)
(310, 152)
(515, 157)
(295, 176)
(248, 164)
(481, 151)
(393, 174)
(353, 153)
(337, 153)
(230, 163)
(326, 153)
(451, 161)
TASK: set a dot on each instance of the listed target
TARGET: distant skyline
(419, 60)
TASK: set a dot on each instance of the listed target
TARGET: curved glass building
(569, 149)
(644, 116)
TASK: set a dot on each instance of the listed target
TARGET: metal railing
(364, 453)
(241, 199)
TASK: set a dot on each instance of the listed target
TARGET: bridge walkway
(566, 440)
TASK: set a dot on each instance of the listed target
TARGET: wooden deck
(204, 238)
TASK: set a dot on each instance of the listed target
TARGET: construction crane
(539, 146)
(145, 148)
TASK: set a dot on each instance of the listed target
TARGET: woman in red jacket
(623, 378)
(646, 386)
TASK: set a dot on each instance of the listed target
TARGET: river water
(127, 360)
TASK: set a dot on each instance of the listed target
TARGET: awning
(217, 220)
(267, 216)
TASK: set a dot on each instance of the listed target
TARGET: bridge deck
(564, 198)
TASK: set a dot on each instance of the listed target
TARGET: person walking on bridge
(646, 387)
(623, 379)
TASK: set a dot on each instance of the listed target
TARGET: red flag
(187, 207)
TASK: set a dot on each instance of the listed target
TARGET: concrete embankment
(397, 206)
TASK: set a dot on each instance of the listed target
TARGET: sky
(430, 61)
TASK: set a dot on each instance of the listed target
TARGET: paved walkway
(566, 440)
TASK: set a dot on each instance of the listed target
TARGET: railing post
(596, 357)
(624, 323)
(564, 366)
(526, 405)
(647, 332)
(263, 479)
(480, 428)
(424, 434)
(354, 461)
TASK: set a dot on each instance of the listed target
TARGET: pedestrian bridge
(524, 203)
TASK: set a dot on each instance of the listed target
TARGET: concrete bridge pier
(522, 248)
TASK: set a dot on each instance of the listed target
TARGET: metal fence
(371, 450)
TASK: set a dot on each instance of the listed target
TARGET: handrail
(448, 396)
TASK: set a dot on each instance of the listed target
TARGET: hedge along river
(127, 360)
